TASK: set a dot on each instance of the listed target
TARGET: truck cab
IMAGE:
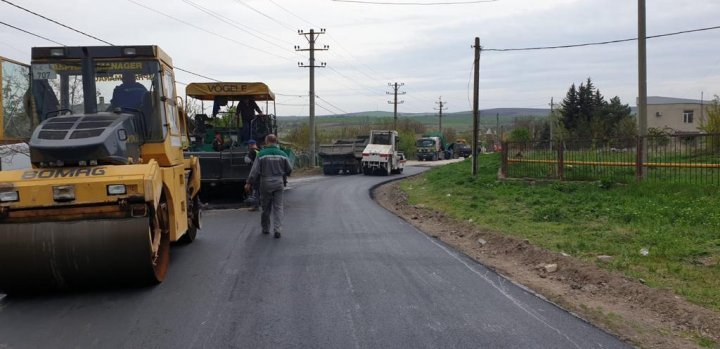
(429, 148)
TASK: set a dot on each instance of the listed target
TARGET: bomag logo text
(64, 173)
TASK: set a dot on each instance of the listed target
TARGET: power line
(54, 21)
(80, 32)
(329, 36)
(326, 109)
(238, 26)
(205, 30)
(416, 3)
(354, 81)
(265, 15)
(332, 105)
(290, 95)
(292, 13)
(294, 104)
(196, 74)
(599, 42)
(30, 33)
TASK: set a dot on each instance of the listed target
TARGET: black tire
(194, 214)
(161, 259)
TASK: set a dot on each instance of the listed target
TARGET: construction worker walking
(268, 170)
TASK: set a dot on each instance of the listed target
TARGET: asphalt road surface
(346, 274)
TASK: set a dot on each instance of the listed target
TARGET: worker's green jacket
(269, 168)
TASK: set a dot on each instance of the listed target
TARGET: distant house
(678, 114)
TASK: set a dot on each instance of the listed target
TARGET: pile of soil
(640, 315)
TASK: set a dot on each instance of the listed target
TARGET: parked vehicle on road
(343, 155)
(460, 149)
(381, 155)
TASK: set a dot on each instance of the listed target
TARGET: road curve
(346, 274)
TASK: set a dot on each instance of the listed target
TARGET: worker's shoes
(265, 232)
(277, 235)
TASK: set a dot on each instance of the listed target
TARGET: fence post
(638, 159)
(560, 161)
(504, 161)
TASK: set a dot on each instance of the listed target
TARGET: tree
(519, 134)
(712, 124)
(585, 114)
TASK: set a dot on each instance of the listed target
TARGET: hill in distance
(458, 120)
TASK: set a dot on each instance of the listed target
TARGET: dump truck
(460, 148)
(343, 155)
(220, 141)
(109, 188)
(381, 155)
(430, 148)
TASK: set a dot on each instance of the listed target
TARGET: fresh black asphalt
(346, 274)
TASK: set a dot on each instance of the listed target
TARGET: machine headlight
(9, 196)
(116, 189)
(63, 193)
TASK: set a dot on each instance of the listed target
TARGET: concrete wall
(671, 116)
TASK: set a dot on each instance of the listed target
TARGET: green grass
(678, 223)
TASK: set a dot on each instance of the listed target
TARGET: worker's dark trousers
(271, 202)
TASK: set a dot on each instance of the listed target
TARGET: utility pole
(476, 105)
(311, 38)
(440, 108)
(642, 84)
(395, 102)
(497, 129)
(552, 119)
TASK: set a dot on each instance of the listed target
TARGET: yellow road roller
(109, 188)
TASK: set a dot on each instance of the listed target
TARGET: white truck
(381, 155)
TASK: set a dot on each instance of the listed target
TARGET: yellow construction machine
(109, 188)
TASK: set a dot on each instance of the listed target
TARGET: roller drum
(40, 257)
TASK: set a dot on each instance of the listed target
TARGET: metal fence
(669, 158)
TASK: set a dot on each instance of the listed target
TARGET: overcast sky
(427, 47)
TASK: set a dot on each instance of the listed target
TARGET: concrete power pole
(440, 108)
(476, 106)
(642, 83)
(395, 102)
(311, 38)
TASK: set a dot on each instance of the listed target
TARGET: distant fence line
(670, 158)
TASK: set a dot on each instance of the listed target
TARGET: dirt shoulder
(640, 315)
